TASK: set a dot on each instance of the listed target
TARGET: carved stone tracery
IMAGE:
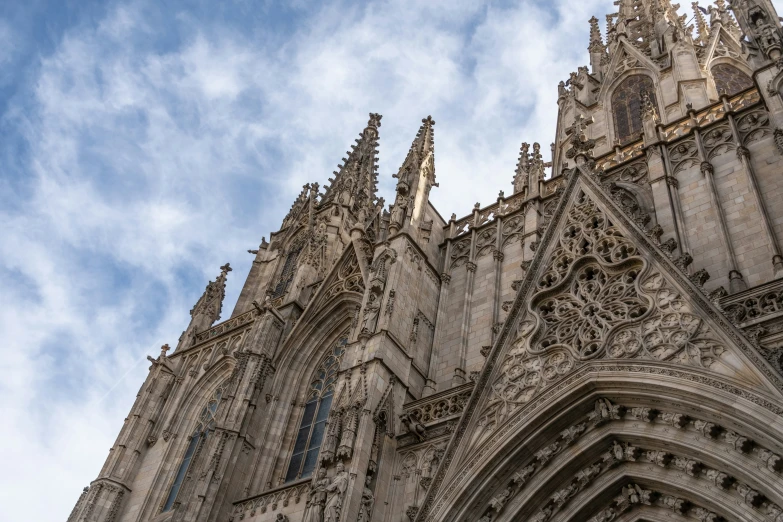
(597, 299)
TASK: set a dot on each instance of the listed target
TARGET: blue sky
(145, 143)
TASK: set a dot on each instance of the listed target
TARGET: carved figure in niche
(435, 461)
(371, 312)
(617, 450)
(367, 502)
(607, 515)
(398, 212)
(335, 492)
(766, 34)
(317, 498)
(499, 501)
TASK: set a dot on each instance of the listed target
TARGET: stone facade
(604, 343)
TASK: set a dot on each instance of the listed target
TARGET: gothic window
(206, 421)
(287, 274)
(627, 106)
(729, 79)
(313, 424)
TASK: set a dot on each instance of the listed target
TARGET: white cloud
(144, 163)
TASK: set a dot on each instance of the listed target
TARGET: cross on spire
(225, 269)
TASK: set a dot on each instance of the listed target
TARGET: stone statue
(398, 212)
(317, 499)
(367, 502)
(371, 312)
(334, 494)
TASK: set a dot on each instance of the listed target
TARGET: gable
(600, 293)
(625, 58)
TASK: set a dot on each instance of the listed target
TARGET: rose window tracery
(598, 300)
(671, 333)
(588, 231)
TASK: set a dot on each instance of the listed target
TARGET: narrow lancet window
(316, 410)
(206, 422)
(627, 106)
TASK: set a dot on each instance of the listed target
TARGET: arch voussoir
(697, 461)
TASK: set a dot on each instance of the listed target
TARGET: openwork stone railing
(680, 128)
(482, 216)
(763, 302)
(227, 326)
(271, 500)
(440, 406)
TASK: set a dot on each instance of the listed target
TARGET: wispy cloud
(148, 146)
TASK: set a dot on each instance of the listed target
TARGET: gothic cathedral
(604, 343)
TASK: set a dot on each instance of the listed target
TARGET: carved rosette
(597, 299)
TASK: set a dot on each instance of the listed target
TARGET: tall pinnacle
(597, 48)
(415, 178)
(523, 166)
(355, 184)
(596, 42)
(702, 28)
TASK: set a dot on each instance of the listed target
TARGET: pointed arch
(626, 106)
(194, 419)
(729, 79)
(296, 361)
(312, 424)
(693, 447)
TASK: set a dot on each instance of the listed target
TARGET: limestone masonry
(602, 343)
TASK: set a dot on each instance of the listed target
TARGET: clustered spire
(422, 146)
(702, 30)
(531, 168)
(418, 167)
(355, 183)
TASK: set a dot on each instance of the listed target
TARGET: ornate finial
(596, 42)
(225, 269)
(163, 349)
(578, 139)
(703, 30)
(375, 120)
(523, 166)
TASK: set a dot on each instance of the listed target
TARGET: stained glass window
(316, 410)
(287, 274)
(627, 106)
(206, 422)
(730, 80)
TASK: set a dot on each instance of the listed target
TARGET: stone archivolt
(669, 452)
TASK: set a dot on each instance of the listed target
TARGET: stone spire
(702, 29)
(415, 178)
(355, 184)
(300, 205)
(207, 309)
(596, 47)
(523, 168)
